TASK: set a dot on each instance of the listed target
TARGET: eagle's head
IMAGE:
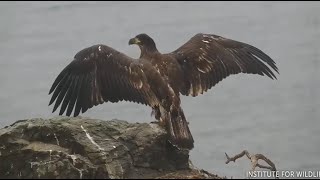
(144, 41)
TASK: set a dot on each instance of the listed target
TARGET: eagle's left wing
(206, 59)
(99, 74)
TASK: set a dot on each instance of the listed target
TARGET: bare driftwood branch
(254, 160)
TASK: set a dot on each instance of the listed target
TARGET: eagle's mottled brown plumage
(101, 74)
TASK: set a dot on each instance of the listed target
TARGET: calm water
(277, 118)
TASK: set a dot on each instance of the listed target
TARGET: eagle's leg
(161, 120)
(157, 114)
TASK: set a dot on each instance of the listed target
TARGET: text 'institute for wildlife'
(99, 74)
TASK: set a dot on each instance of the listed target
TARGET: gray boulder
(65, 147)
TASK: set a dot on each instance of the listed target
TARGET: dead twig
(254, 160)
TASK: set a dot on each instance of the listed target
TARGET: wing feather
(74, 95)
(206, 59)
(81, 95)
(62, 92)
(69, 95)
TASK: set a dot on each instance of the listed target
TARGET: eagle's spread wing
(206, 59)
(100, 74)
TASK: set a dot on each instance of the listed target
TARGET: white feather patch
(201, 70)
(191, 89)
(215, 38)
(199, 86)
(204, 35)
(205, 41)
(139, 86)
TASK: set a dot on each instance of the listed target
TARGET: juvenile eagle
(99, 74)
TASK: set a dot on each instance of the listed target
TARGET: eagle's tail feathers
(178, 129)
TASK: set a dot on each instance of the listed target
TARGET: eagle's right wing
(101, 74)
(206, 59)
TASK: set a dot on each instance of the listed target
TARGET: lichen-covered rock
(65, 147)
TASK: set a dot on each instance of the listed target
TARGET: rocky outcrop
(79, 147)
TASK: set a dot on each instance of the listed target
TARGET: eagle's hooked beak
(134, 41)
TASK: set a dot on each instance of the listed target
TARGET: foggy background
(278, 118)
